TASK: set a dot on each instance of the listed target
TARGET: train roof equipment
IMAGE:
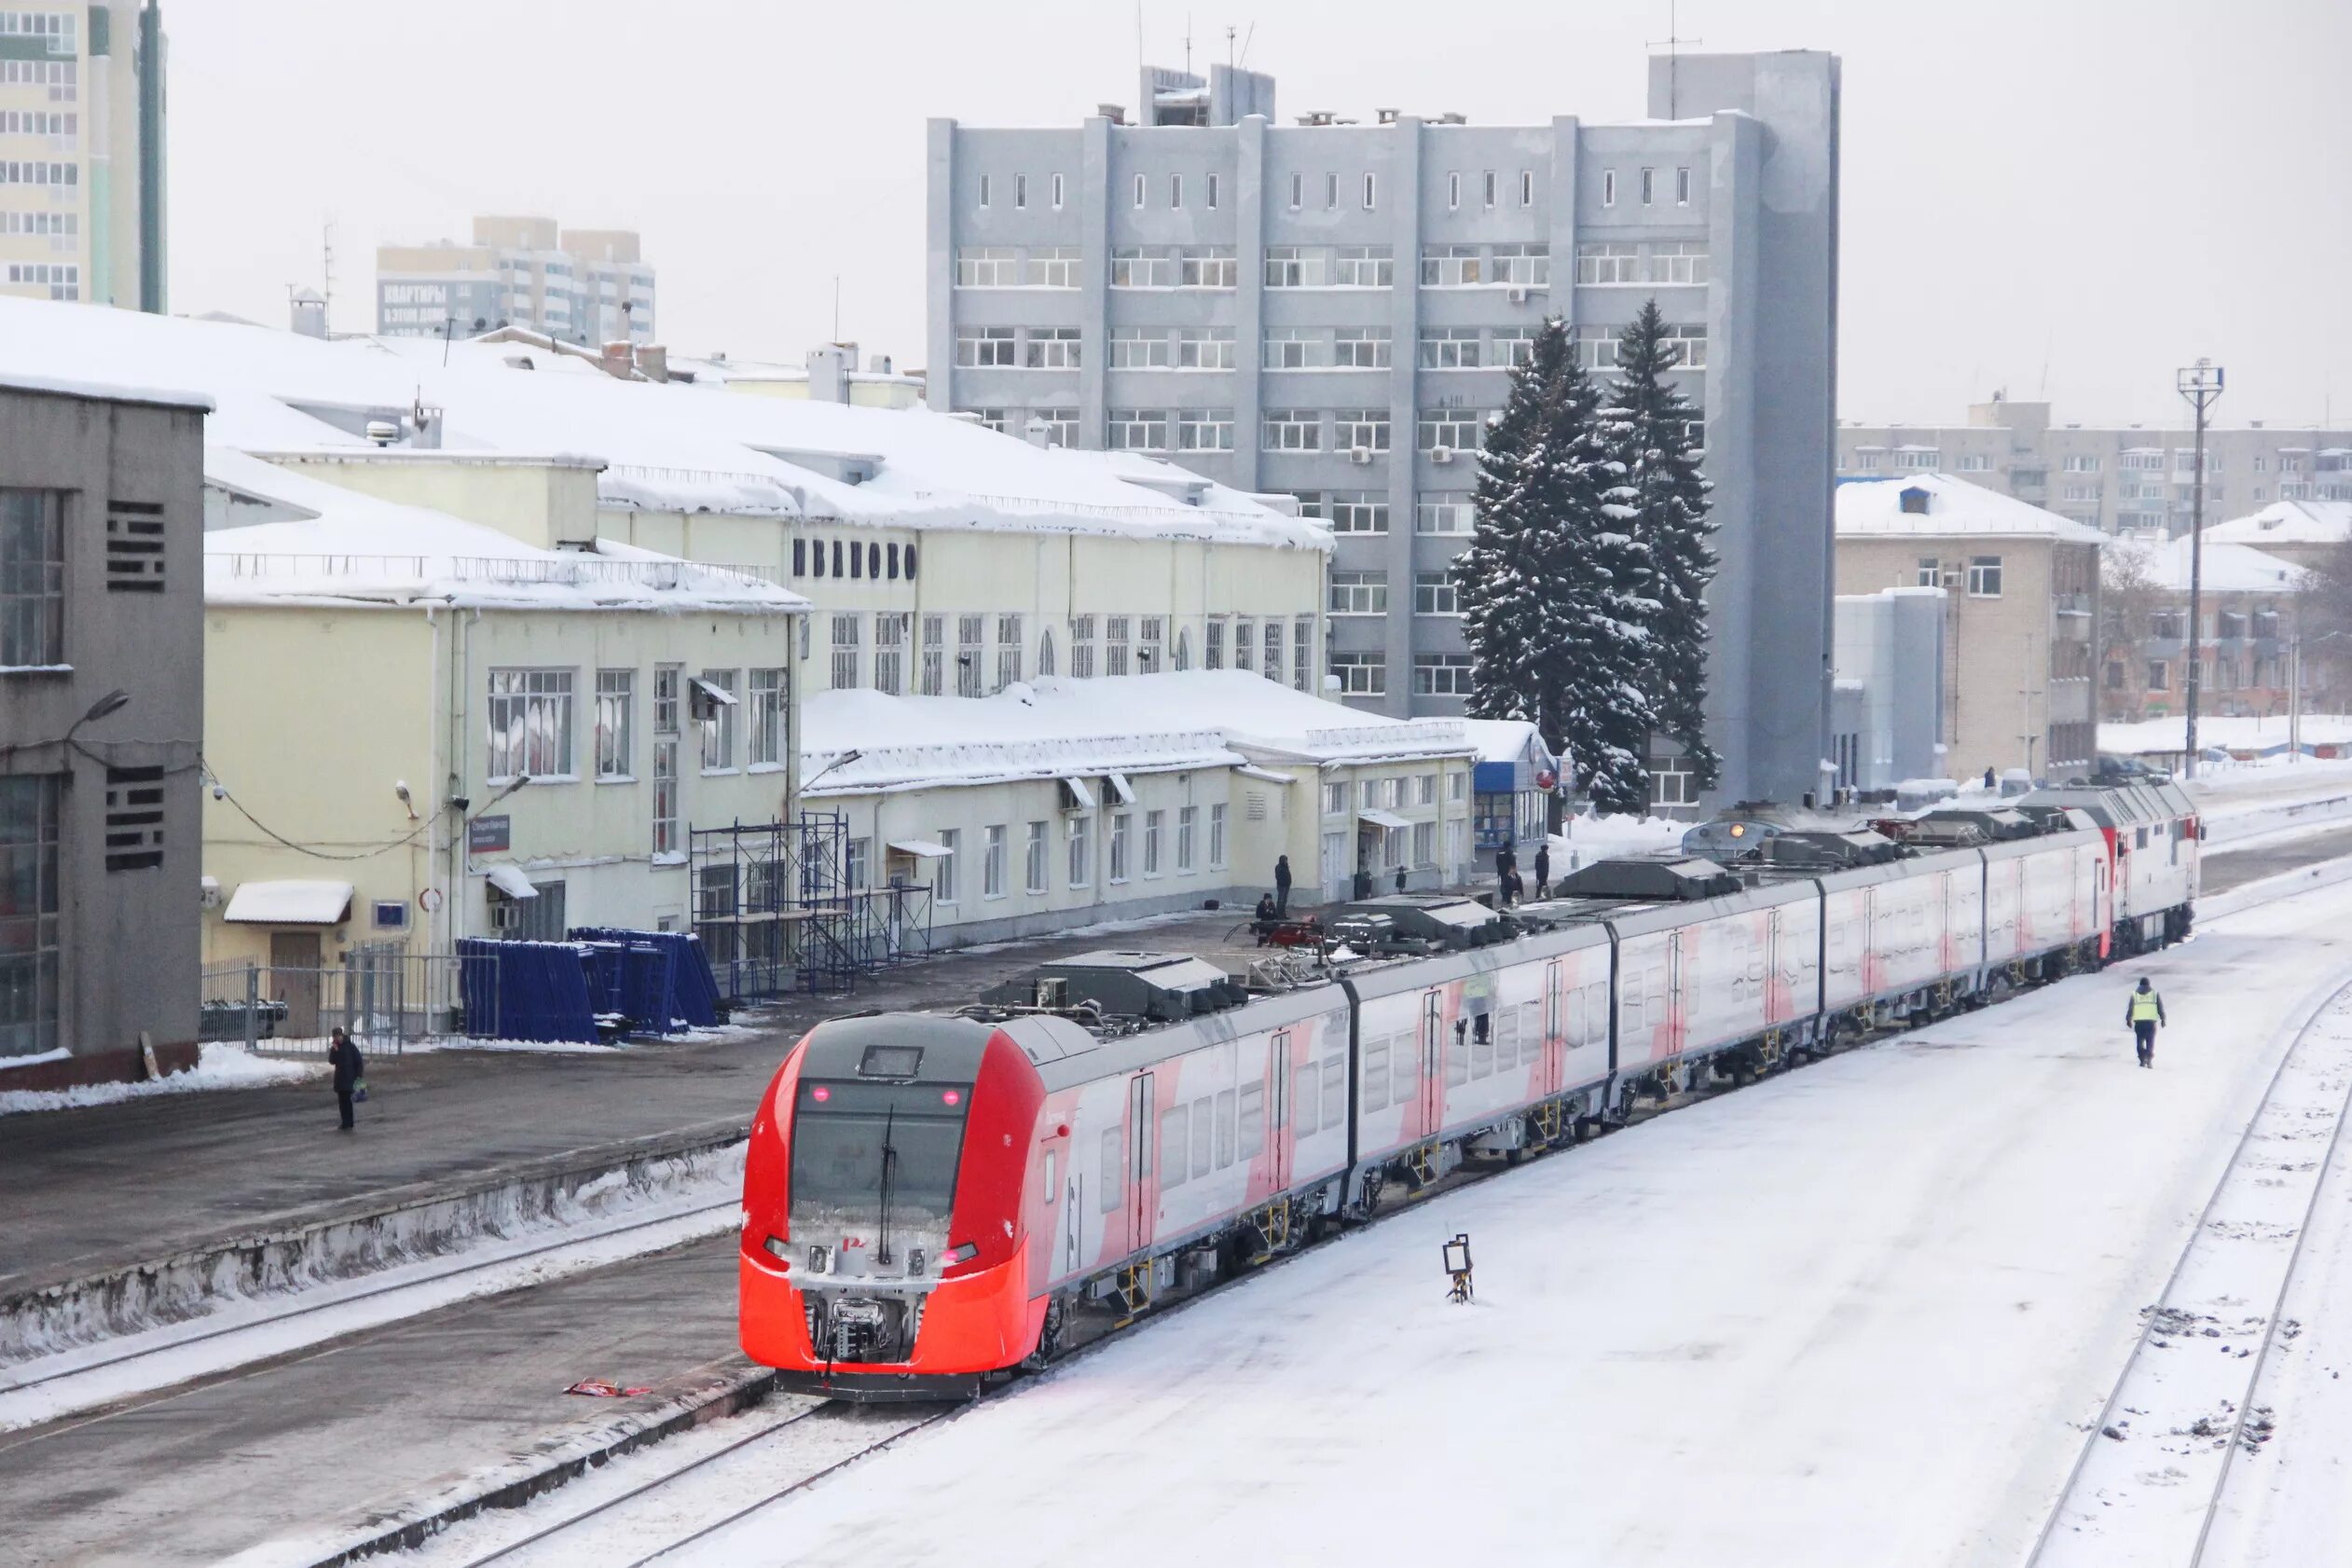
(1401, 923)
(1650, 879)
(1823, 850)
(1152, 987)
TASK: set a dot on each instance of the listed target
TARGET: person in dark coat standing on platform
(1505, 872)
(1400, 879)
(1282, 887)
(345, 1058)
(1543, 871)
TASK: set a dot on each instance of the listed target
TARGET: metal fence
(386, 1000)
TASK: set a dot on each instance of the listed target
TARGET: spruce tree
(1555, 593)
(1661, 497)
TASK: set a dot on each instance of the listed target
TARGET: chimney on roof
(1039, 433)
(829, 369)
(308, 311)
(1387, 117)
(653, 363)
(618, 360)
(1114, 113)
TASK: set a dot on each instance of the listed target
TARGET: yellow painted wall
(539, 501)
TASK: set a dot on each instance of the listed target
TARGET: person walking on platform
(1543, 871)
(1282, 887)
(2144, 1012)
(344, 1057)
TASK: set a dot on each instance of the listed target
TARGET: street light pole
(2201, 384)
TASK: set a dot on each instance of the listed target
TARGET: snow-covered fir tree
(1555, 592)
(1650, 433)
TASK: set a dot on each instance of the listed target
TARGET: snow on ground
(219, 1066)
(2171, 735)
(1855, 1315)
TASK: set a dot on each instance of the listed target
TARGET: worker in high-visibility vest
(2144, 1012)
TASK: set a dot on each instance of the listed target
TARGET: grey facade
(1330, 309)
(1886, 725)
(101, 583)
(2116, 478)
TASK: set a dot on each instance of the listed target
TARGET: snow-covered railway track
(87, 1377)
(2187, 1415)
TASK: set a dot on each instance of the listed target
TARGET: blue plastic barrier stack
(527, 990)
(691, 993)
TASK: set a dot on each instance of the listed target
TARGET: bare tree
(2130, 595)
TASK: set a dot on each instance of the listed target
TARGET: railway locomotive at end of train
(934, 1199)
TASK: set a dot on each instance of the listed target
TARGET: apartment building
(2021, 612)
(2247, 603)
(1331, 309)
(102, 712)
(82, 170)
(2115, 478)
(2303, 534)
(586, 287)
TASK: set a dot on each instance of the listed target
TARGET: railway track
(2186, 1419)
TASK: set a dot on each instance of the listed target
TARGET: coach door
(1278, 1140)
(1433, 1065)
(1143, 1117)
(1677, 1014)
(1555, 1021)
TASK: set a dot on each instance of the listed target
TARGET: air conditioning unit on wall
(1441, 454)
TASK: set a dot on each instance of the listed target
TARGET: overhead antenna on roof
(327, 246)
(1187, 43)
(1230, 30)
(1672, 44)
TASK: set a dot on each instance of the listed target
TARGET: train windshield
(847, 1136)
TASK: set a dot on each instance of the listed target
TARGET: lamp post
(2201, 384)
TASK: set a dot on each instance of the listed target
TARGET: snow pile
(1590, 838)
(219, 1066)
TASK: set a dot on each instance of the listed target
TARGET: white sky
(2069, 196)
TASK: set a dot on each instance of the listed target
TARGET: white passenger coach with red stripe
(930, 1198)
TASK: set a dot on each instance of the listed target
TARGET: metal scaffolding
(786, 906)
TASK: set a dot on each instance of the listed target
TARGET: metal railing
(386, 1000)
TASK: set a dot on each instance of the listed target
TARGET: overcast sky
(2062, 197)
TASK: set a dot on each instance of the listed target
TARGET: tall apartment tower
(82, 182)
(589, 286)
(1329, 309)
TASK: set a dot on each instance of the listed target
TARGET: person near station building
(1505, 874)
(1543, 871)
(1282, 887)
(344, 1057)
(2144, 1012)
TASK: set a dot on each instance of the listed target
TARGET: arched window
(910, 560)
(1184, 648)
(1045, 653)
(873, 560)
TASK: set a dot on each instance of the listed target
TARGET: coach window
(1251, 1119)
(1114, 1168)
(1203, 1129)
(1175, 1140)
(1376, 1074)
(1302, 1098)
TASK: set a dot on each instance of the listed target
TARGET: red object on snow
(598, 1388)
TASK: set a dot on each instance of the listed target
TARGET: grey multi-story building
(2116, 478)
(102, 705)
(1331, 309)
(585, 286)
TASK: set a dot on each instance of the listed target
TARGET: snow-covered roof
(296, 901)
(667, 447)
(112, 391)
(2287, 522)
(2226, 568)
(344, 548)
(1868, 507)
(1057, 727)
(1503, 740)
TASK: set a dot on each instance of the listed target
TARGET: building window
(770, 700)
(1034, 860)
(988, 267)
(1681, 187)
(1297, 191)
(1678, 262)
(1672, 783)
(1527, 187)
(2159, 676)
(984, 348)
(1134, 268)
(1510, 345)
(31, 578)
(1455, 348)
(1137, 429)
(30, 932)
(1139, 348)
(1435, 594)
(1294, 267)
(1292, 430)
(1245, 644)
(1449, 266)
(848, 651)
(1057, 192)
(1302, 652)
(1080, 837)
(616, 721)
(1444, 515)
(1053, 267)
(1082, 647)
(992, 863)
(1213, 643)
(1140, 192)
(1359, 429)
(1359, 593)
(1984, 577)
(1364, 267)
(1019, 191)
(1358, 512)
(944, 873)
(1187, 816)
(1008, 651)
(1609, 262)
(1360, 348)
(1930, 573)
(2079, 463)
(1979, 463)
(933, 677)
(1608, 187)
(1061, 430)
(889, 652)
(1370, 192)
(1918, 456)
(984, 190)
(1054, 348)
(1152, 823)
(1212, 193)
(1204, 348)
(1361, 675)
(1453, 192)
(1217, 838)
(1521, 266)
(718, 731)
(855, 863)
(1045, 652)
(1442, 675)
(1176, 190)
(1115, 644)
(1455, 430)
(530, 724)
(1290, 348)
(1204, 430)
(1331, 192)
(1649, 187)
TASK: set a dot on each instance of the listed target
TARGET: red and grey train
(928, 1197)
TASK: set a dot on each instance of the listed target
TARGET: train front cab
(883, 1252)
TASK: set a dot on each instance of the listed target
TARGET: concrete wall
(1759, 137)
(126, 938)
